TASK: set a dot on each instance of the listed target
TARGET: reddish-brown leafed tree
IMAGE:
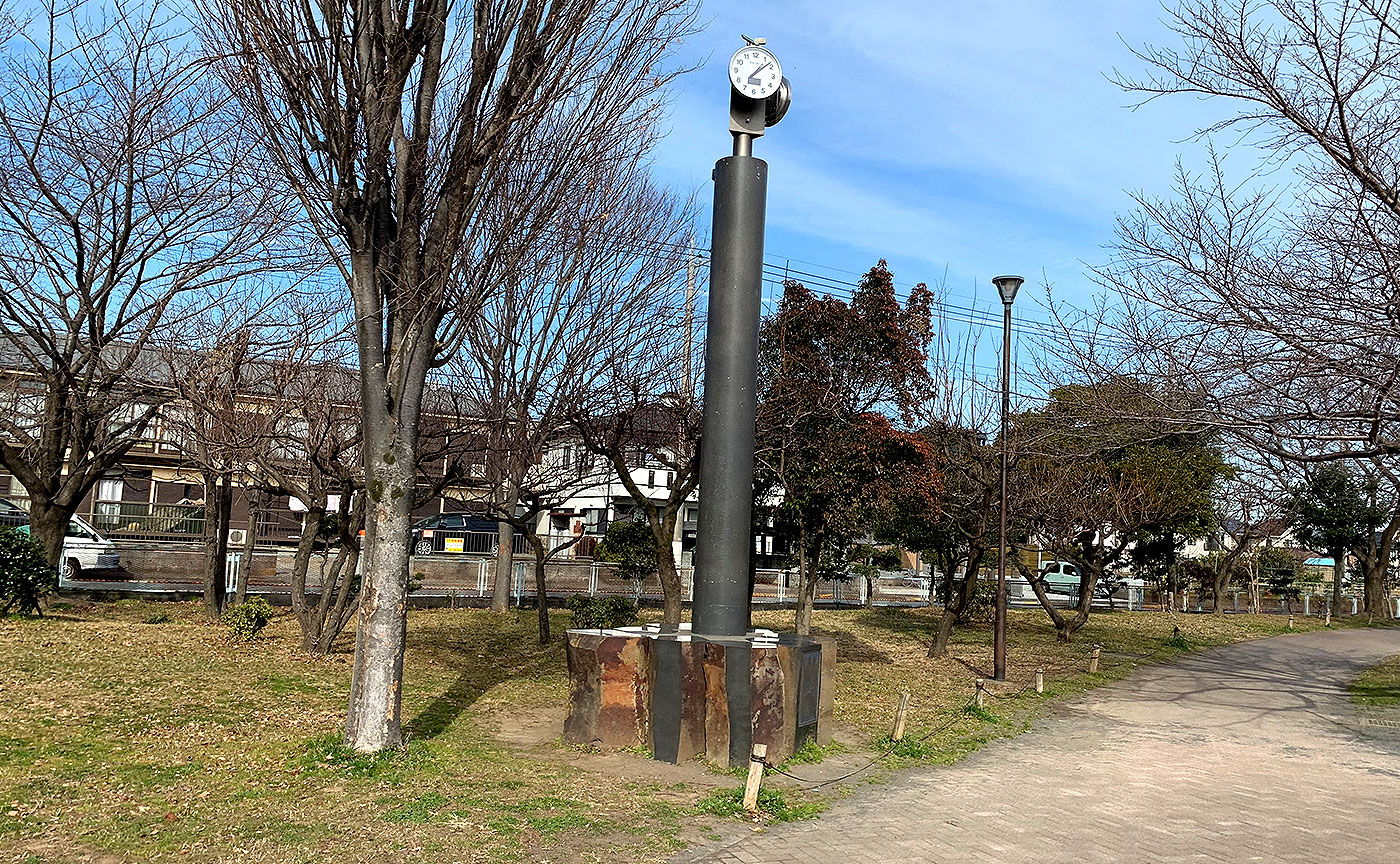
(842, 385)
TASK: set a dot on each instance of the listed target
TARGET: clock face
(755, 73)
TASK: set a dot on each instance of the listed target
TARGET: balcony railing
(139, 520)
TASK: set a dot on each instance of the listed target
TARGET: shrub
(629, 546)
(245, 620)
(982, 606)
(603, 612)
(25, 575)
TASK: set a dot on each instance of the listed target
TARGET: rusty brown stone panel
(769, 721)
(716, 706)
(580, 652)
(625, 683)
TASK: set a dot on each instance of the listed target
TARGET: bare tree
(396, 124)
(1098, 472)
(304, 433)
(210, 376)
(563, 470)
(592, 310)
(126, 200)
(1277, 304)
(1376, 554)
(267, 404)
(639, 425)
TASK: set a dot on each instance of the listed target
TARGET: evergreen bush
(602, 612)
(245, 620)
(25, 575)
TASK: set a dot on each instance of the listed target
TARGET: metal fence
(150, 567)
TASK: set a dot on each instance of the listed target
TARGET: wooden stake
(1040, 680)
(1094, 660)
(900, 714)
(760, 751)
(1290, 622)
(981, 698)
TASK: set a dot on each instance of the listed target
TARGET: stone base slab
(683, 695)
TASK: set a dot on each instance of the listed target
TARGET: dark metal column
(999, 628)
(721, 606)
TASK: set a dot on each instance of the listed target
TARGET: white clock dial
(755, 73)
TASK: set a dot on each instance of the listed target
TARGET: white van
(84, 549)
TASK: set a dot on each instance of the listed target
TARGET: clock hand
(753, 76)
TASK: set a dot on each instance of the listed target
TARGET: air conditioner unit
(237, 536)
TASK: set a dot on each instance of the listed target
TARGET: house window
(668, 479)
(593, 522)
(651, 479)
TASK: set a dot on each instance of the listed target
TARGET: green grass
(174, 743)
(773, 805)
(1379, 686)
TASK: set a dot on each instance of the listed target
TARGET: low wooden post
(900, 713)
(1040, 680)
(1094, 660)
(1290, 622)
(981, 698)
(760, 752)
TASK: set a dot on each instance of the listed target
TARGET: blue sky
(958, 140)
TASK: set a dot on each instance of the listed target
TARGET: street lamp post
(1007, 286)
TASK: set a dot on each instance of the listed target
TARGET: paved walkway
(1245, 753)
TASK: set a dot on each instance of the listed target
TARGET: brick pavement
(1249, 752)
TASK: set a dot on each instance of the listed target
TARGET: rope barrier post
(981, 698)
(760, 752)
(1040, 680)
(1094, 660)
(900, 714)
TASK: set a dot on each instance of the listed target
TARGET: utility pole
(689, 366)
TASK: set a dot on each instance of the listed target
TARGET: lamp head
(1007, 286)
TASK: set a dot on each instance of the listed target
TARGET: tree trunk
(1218, 588)
(504, 567)
(1377, 603)
(1339, 569)
(955, 604)
(373, 720)
(504, 551)
(541, 595)
(339, 612)
(301, 563)
(218, 501)
(1065, 627)
(250, 542)
(662, 534)
(807, 586)
(944, 632)
(48, 524)
(807, 598)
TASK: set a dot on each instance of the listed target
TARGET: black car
(12, 515)
(455, 533)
